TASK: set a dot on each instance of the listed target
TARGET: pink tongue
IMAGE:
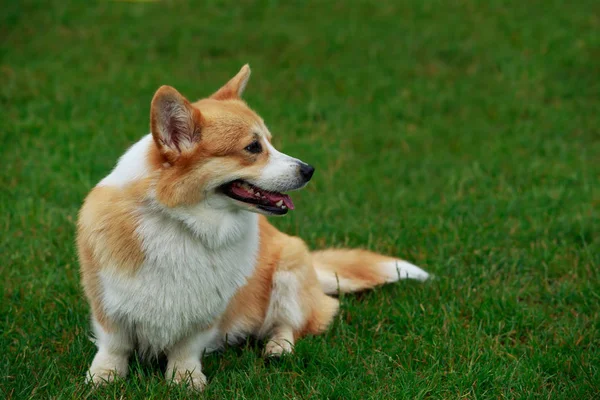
(275, 197)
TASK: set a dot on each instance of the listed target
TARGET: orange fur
(249, 306)
(280, 252)
(236, 85)
(356, 265)
(91, 284)
(224, 129)
(195, 149)
(106, 238)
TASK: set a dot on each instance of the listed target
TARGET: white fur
(391, 271)
(281, 173)
(196, 258)
(111, 360)
(285, 304)
(185, 283)
(284, 314)
(215, 222)
(185, 359)
(280, 342)
(399, 269)
(244, 81)
(132, 165)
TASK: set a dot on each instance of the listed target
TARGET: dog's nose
(306, 171)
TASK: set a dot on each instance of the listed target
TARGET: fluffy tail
(341, 270)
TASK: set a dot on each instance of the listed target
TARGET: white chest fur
(186, 281)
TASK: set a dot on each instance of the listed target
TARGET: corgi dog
(178, 258)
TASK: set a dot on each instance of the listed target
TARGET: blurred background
(461, 135)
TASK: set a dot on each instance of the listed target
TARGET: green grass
(461, 135)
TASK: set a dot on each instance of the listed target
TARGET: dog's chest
(183, 285)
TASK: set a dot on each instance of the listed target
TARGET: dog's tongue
(275, 197)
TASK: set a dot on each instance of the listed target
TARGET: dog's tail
(343, 270)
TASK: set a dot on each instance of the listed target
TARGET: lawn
(462, 135)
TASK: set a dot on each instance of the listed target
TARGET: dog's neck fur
(212, 225)
(213, 220)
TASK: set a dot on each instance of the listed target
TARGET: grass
(463, 136)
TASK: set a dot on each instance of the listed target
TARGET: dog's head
(218, 148)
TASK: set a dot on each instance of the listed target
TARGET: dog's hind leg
(285, 313)
(297, 304)
(281, 341)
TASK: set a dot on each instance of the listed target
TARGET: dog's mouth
(271, 202)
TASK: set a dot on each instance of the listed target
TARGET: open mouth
(272, 202)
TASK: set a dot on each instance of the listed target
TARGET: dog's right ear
(235, 87)
(176, 125)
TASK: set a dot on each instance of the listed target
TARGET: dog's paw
(100, 376)
(191, 376)
(278, 347)
(106, 368)
(194, 379)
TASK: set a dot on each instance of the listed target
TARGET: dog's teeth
(250, 191)
(279, 203)
(283, 207)
(257, 194)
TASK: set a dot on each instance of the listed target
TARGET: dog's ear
(235, 87)
(176, 125)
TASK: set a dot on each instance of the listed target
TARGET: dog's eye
(254, 147)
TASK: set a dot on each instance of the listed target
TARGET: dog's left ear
(176, 125)
(235, 87)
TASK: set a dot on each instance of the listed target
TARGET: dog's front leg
(112, 359)
(184, 359)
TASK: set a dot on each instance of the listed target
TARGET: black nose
(306, 171)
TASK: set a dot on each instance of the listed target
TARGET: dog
(177, 256)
